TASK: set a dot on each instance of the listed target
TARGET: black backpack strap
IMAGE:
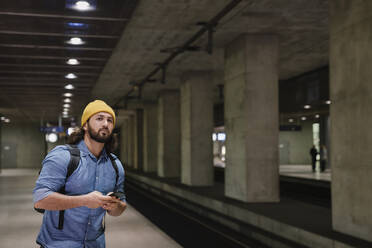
(72, 166)
(115, 167)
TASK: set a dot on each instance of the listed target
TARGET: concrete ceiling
(301, 25)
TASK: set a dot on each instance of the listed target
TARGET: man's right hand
(95, 199)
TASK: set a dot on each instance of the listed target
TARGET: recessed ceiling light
(75, 41)
(2, 118)
(317, 116)
(71, 76)
(7, 120)
(307, 107)
(73, 62)
(68, 94)
(82, 5)
(67, 100)
(328, 102)
(303, 118)
(76, 24)
(69, 87)
(66, 110)
(290, 120)
(66, 105)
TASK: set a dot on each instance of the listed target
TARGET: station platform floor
(304, 171)
(20, 224)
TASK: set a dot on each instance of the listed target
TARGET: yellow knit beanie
(94, 108)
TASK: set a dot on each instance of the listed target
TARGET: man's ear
(85, 126)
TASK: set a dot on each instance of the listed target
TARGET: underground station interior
(218, 104)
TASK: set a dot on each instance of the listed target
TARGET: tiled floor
(304, 171)
(19, 223)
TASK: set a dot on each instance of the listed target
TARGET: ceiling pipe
(206, 27)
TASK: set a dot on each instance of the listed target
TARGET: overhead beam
(58, 34)
(92, 18)
(53, 66)
(56, 47)
(50, 57)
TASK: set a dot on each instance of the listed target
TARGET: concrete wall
(22, 146)
(351, 116)
(150, 138)
(294, 146)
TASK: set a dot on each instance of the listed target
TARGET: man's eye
(110, 120)
(99, 118)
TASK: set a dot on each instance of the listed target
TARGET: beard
(96, 136)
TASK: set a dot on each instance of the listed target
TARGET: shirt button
(97, 178)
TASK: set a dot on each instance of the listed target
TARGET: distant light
(290, 120)
(73, 62)
(68, 94)
(328, 102)
(214, 137)
(7, 120)
(82, 5)
(2, 118)
(69, 87)
(66, 105)
(223, 150)
(221, 136)
(76, 24)
(303, 118)
(317, 116)
(307, 107)
(71, 76)
(67, 100)
(52, 137)
(70, 130)
(75, 41)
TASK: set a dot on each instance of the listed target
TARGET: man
(86, 199)
(323, 158)
(313, 154)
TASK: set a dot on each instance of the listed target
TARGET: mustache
(104, 128)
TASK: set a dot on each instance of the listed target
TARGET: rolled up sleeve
(53, 174)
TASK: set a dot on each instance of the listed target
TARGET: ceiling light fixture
(307, 107)
(7, 120)
(303, 118)
(2, 118)
(68, 95)
(67, 100)
(290, 120)
(66, 105)
(71, 76)
(75, 41)
(69, 87)
(82, 5)
(317, 116)
(328, 102)
(73, 62)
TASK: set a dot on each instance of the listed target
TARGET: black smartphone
(116, 194)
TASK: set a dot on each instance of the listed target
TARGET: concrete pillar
(252, 119)
(124, 138)
(351, 116)
(169, 134)
(196, 129)
(131, 141)
(139, 126)
(150, 138)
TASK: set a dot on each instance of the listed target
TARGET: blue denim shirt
(83, 227)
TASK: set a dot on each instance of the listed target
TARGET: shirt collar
(83, 147)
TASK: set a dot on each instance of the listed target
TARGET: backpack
(72, 166)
